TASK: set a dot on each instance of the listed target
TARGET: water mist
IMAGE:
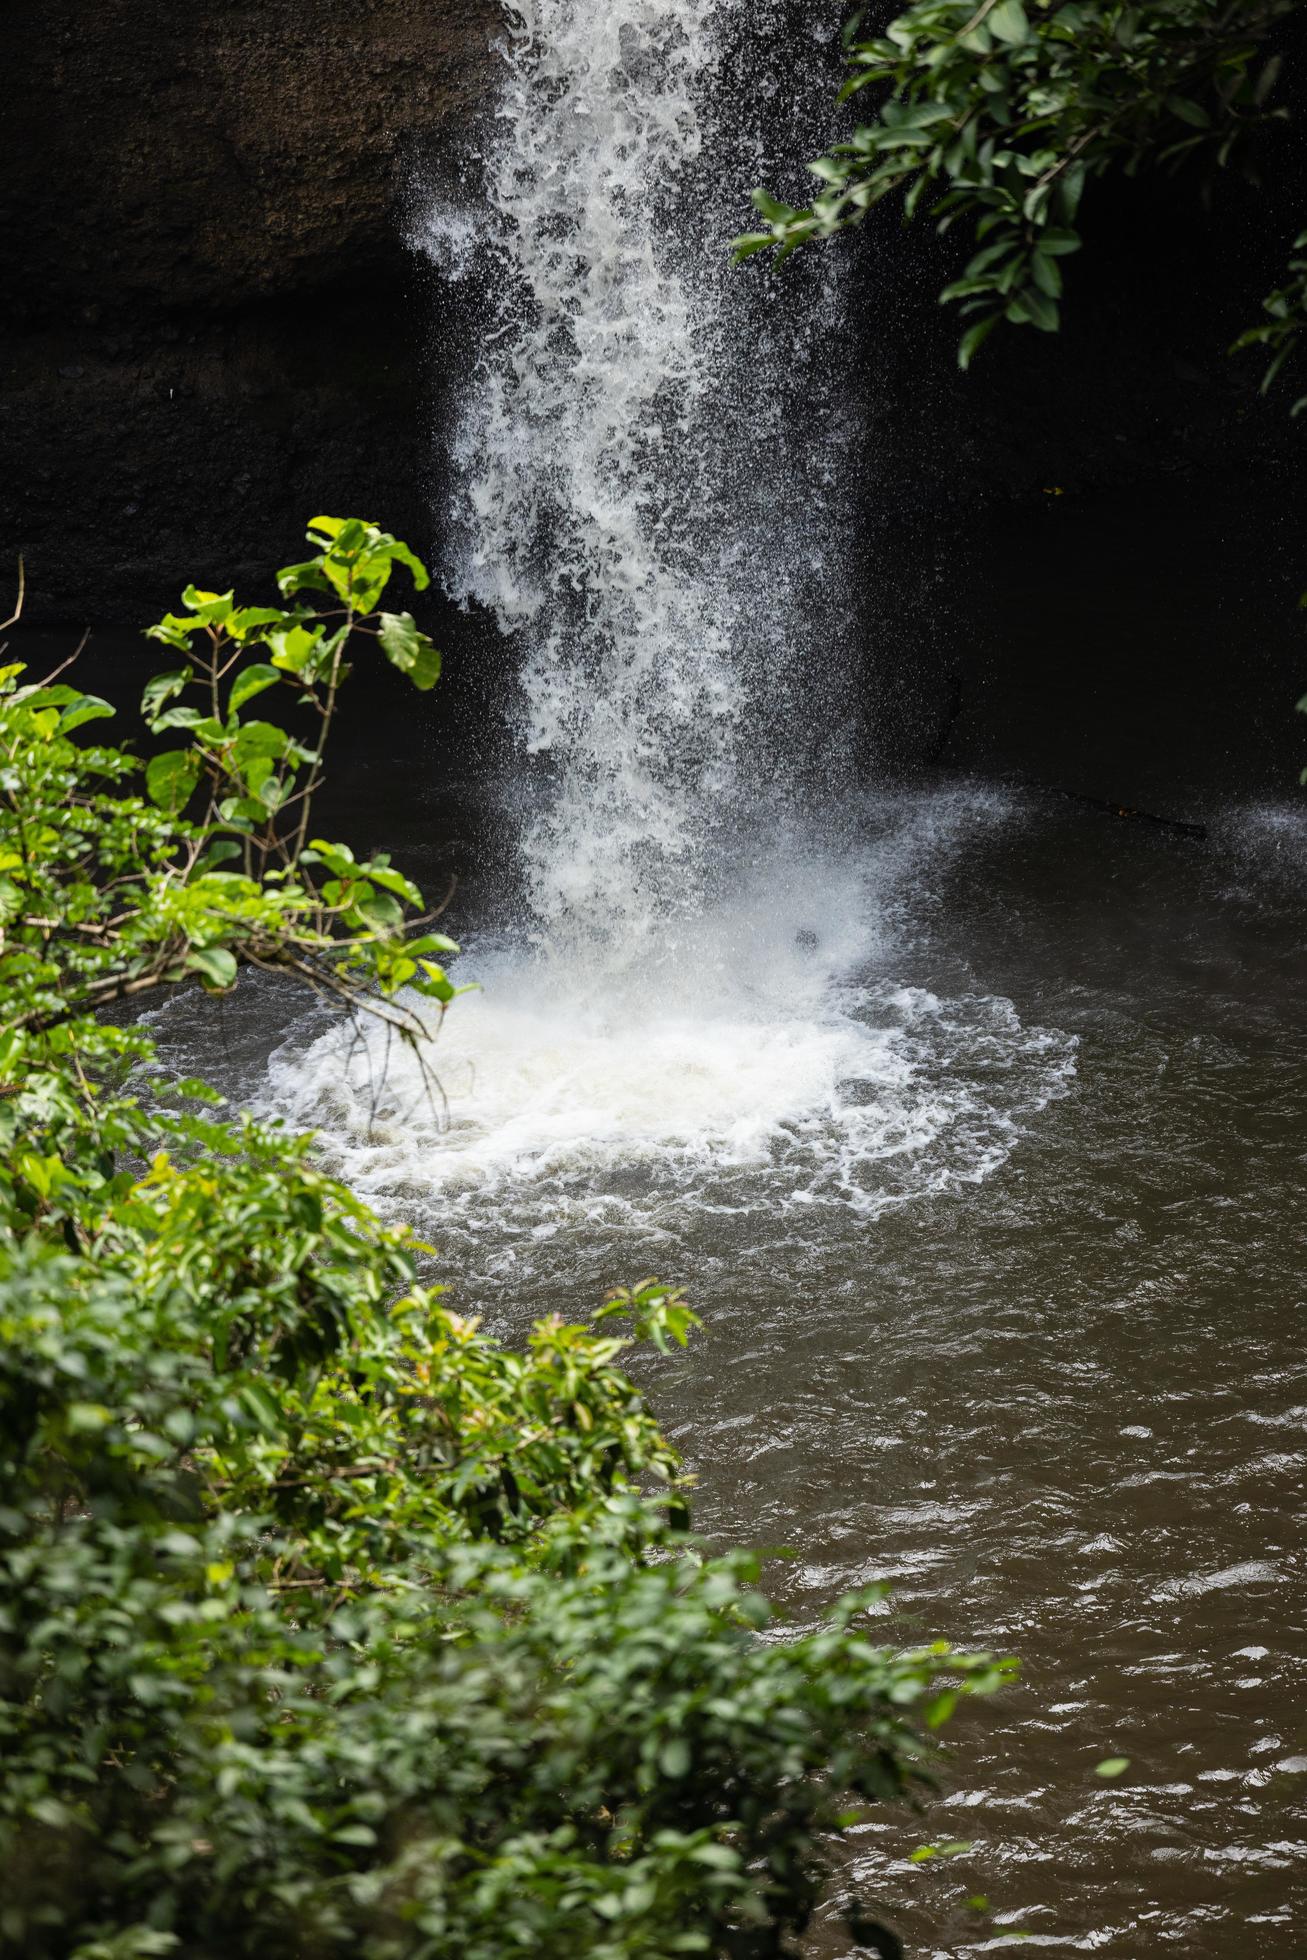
(694, 998)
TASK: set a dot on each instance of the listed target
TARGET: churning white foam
(699, 1003)
(769, 1062)
(883, 1095)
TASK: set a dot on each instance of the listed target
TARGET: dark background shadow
(1078, 565)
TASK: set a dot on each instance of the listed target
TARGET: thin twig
(64, 665)
(17, 612)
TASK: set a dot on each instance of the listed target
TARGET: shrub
(329, 1625)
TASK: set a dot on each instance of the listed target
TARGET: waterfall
(615, 489)
(648, 483)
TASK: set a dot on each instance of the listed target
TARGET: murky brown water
(1063, 1409)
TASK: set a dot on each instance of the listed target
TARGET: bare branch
(17, 612)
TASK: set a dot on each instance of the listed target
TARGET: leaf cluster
(329, 1625)
(107, 893)
(1000, 113)
(1286, 317)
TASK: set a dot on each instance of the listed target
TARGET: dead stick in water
(1113, 809)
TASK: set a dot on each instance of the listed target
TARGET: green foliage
(332, 1628)
(998, 114)
(328, 1624)
(106, 894)
(1286, 316)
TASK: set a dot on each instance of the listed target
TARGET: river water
(995, 1232)
(970, 1121)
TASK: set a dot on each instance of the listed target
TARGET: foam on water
(702, 1001)
(883, 1094)
(769, 1061)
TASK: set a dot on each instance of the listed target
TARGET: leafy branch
(1001, 114)
(106, 895)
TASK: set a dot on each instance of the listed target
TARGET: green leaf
(437, 982)
(436, 942)
(170, 778)
(420, 575)
(88, 707)
(42, 1173)
(183, 717)
(258, 772)
(1056, 241)
(87, 1418)
(194, 1090)
(175, 630)
(940, 1707)
(249, 682)
(674, 1758)
(1112, 1766)
(1007, 21)
(210, 608)
(163, 687)
(771, 208)
(241, 813)
(974, 338)
(215, 965)
(409, 650)
(262, 1406)
(1188, 111)
(1071, 187)
(59, 695)
(1266, 81)
(307, 576)
(1035, 306)
(991, 254)
(378, 910)
(750, 242)
(337, 857)
(1046, 275)
(293, 647)
(260, 738)
(243, 623)
(395, 881)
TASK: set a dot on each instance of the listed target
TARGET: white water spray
(708, 1012)
(591, 503)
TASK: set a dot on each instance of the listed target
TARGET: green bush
(998, 115)
(329, 1625)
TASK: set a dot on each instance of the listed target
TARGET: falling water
(597, 497)
(645, 474)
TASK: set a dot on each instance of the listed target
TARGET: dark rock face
(212, 327)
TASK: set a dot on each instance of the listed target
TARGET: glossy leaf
(214, 964)
(409, 650)
(250, 681)
(170, 778)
